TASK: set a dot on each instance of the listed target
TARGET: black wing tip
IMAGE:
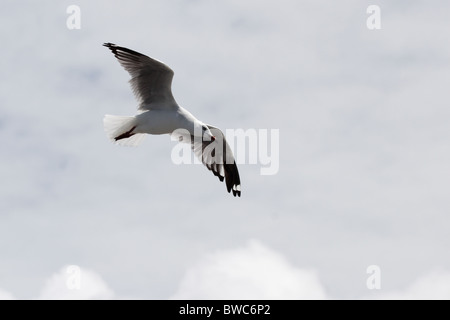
(236, 192)
(232, 186)
(114, 48)
(110, 46)
(235, 188)
(232, 179)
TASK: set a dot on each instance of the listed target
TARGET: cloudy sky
(364, 152)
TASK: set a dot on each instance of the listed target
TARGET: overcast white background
(364, 175)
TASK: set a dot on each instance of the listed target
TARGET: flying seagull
(159, 113)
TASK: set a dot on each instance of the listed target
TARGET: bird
(159, 113)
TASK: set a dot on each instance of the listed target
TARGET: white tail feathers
(118, 125)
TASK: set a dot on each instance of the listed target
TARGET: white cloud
(433, 286)
(250, 272)
(5, 295)
(74, 283)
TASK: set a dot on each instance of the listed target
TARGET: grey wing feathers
(151, 80)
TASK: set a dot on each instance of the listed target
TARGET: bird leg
(126, 134)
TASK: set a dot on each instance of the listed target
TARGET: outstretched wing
(151, 80)
(218, 158)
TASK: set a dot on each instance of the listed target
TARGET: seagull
(159, 113)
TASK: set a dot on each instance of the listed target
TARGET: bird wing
(151, 80)
(218, 158)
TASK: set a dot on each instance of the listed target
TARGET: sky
(363, 151)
